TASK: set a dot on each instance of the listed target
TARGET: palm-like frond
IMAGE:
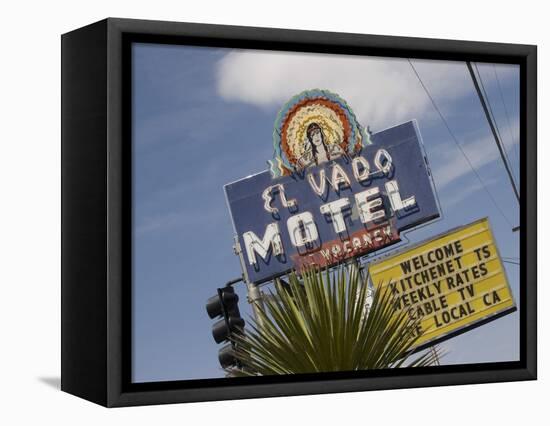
(319, 323)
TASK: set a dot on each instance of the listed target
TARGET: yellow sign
(453, 282)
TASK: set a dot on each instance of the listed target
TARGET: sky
(203, 117)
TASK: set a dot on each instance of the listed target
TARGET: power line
(458, 144)
(512, 138)
(493, 118)
(510, 259)
(493, 130)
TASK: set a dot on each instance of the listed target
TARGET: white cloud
(451, 165)
(452, 168)
(458, 196)
(381, 91)
(481, 151)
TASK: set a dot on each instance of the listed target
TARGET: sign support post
(254, 295)
(255, 298)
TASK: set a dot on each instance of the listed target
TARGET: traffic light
(225, 305)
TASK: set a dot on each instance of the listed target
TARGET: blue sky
(203, 117)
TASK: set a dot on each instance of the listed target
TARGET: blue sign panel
(340, 209)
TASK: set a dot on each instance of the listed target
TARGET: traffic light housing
(225, 305)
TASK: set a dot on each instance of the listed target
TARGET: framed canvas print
(252, 212)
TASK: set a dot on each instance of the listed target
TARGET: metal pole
(256, 300)
(493, 130)
(254, 293)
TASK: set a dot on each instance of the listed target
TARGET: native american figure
(313, 127)
(316, 150)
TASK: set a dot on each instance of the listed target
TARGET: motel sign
(344, 207)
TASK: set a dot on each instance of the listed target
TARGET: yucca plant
(321, 322)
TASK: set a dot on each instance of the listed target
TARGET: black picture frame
(96, 211)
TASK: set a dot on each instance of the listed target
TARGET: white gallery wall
(30, 212)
